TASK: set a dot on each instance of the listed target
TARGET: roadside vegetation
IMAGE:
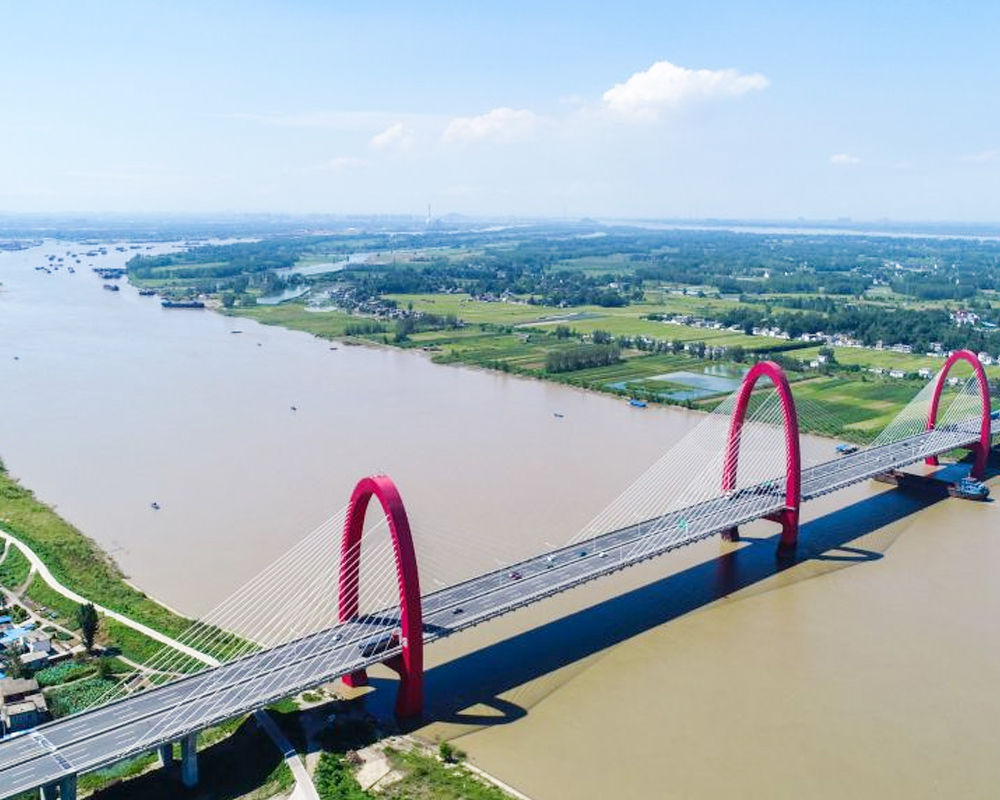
(14, 569)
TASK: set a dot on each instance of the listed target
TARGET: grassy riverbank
(15, 568)
(845, 401)
(76, 560)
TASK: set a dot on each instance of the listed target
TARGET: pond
(711, 380)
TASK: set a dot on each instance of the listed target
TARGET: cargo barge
(967, 488)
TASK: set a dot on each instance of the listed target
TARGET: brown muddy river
(865, 670)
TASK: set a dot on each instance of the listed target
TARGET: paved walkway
(39, 566)
(304, 788)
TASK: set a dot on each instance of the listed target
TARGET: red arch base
(788, 517)
(410, 664)
(982, 448)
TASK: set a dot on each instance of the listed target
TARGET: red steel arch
(789, 515)
(409, 665)
(982, 449)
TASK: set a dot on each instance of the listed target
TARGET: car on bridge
(379, 644)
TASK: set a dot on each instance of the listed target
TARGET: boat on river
(932, 486)
(182, 304)
(969, 489)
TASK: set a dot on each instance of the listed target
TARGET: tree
(86, 619)
(15, 667)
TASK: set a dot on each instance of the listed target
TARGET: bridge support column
(50, 792)
(788, 517)
(189, 760)
(981, 449)
(789, 521)
(166, 753)
(409, 664)
(67, 788)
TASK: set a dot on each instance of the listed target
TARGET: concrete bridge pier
(166, 754)
(67, 788)
(189, 760)
(64, 790)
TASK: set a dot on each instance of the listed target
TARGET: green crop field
(472, 311)
(325, 324)
(856, 408)
(886, 359)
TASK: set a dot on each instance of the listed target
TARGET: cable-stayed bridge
(725, 474)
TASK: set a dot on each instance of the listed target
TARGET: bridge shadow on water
(477, 680)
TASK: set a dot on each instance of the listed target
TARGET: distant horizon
(647, 111)
(843, 224)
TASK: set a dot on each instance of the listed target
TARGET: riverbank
(844, 402)
(65, 557)
(29, 565)
(229, 744)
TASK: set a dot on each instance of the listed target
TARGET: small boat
(182, 304)
(969, 489)
(236, 331)
(111, 287)
(294, 408)
(155, 506)
(557, 414)
(635, 403)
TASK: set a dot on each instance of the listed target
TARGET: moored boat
(182, 304)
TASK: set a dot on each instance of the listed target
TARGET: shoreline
(525, 376)
(130, 583)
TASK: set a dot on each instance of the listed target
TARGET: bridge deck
(140, 722)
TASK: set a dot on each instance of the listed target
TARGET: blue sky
(767, 110)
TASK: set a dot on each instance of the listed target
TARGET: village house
(22, 705)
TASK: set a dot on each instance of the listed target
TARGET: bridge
(50, 757)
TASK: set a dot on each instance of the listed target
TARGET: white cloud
(395, 137)
(665, 85)
(501, 125)
(345, 162)
(982, 158)
(844, 160)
